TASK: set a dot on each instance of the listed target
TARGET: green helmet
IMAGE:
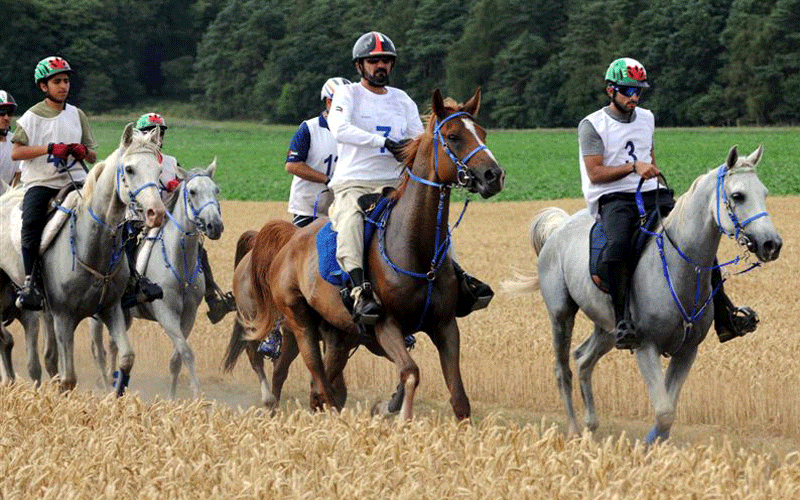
(50, 66)
(628, 72)
(150, 120)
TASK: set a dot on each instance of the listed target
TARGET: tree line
(540, 63)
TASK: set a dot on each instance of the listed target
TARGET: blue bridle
(690, 319)
(131, 194)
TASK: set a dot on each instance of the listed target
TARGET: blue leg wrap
(653, 435)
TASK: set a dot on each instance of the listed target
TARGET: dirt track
(746, 388)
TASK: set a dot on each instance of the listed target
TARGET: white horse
(83, 268)
(670, 287)
(174, 263)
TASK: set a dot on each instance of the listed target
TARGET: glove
(396, 148)
(173, 184)
(60, 150)
(78, 150)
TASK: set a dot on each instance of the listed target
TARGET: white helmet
(330, 86)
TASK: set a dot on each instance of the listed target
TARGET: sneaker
(736, 322)
(139, 291)
(627, 337)
(271, 346)
(29, 296)
(218, 306)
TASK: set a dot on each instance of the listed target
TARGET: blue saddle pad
(326, 244)
(598, 240)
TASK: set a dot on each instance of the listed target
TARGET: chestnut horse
(408, 263)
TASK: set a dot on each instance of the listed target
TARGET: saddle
(374, 205)
(598, 240)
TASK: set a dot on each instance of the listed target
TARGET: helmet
(6, 101)
(50, 66)
(373, 44)
(330, 86)
(628, 72)
(150, 120)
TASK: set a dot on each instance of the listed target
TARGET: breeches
(620, 219)
(34, 215)
(347, 219)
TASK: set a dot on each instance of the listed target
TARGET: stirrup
(473, 294)
(736, 322)
(219, 306)
(365, 309)
(271, 346)
(627, 337)
(30, 298)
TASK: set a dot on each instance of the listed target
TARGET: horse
(671, 292)
(408, 263)
(174, 263)
(83, 268)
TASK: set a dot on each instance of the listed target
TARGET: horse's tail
(237, 344)
(244, 245)
(272, 237)
(542, 226)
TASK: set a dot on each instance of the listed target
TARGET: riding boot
(473, 294)
(271, 346)
(139, 289)
(219, 303)
(30, 296)
(730, 321)
(365, 309)
(627, 337)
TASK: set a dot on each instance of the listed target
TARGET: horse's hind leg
(586, 357)
(268, 400)
(336, 354)
(649, 359)
(280, 367)
(7, 365)
(99, 352)
(30, 323)
(50, 346)
(299, 319)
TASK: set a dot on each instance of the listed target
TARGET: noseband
(193, 212)
(132, 194)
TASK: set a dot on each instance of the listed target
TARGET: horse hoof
(654, 435)
(381, 409)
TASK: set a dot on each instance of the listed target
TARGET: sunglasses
(3, 112)
(628, 91)
(376, 60)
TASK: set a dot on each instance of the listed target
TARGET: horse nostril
(489, 176)
(773, 247)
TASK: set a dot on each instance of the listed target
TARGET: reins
(690, 319)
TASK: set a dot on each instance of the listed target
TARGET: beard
(56, 99)
(380, 78)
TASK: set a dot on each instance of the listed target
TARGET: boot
(271, 346)
(626, 335)
(140, 290)
(730, 321)
(365, 309)
(30, 296)
(473, 294)
(219, 304)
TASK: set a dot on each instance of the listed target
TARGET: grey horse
(83, 270)
(665, 304)
(174, 264)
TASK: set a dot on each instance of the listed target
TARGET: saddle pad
(598, 240)
(326, 243)
(51, 230)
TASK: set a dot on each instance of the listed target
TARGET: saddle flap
(56, 221)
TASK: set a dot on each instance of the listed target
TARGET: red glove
(173, 184)
(78, 150)
(59, 150)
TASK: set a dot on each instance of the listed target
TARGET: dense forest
(540, 62)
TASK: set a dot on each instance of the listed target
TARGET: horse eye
(129, 170)
(192, 192)
(452, 137)
(216, 190)
(737, 197)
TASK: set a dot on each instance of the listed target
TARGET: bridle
(738, 227)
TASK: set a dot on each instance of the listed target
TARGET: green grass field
(541, 164)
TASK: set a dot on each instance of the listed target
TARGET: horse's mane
(422, 142)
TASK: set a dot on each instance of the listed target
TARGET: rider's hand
(58, 150)
(78, 150)
(396, 148)
(173, 184)
(646, 170)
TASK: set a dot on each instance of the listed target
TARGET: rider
(616, 151)
(47, 136)
(372, 123)
(219, 303)
(9, 169)
(311, 159)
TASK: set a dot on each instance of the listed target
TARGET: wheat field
(736, 435)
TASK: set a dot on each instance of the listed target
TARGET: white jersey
(66, 128)
(169, 169)
(623, 142)
(361, 120)
(8, 167)
(314, 145)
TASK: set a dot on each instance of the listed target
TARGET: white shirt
(8, 167)
(624, 142)
(169, 169)
(361, 120)
(322, 156)
(66, 128)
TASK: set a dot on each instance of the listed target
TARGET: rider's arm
(87, 138)
(20, 149)
(341, 126)
(599, 173)
(298, 154)
(302, 170)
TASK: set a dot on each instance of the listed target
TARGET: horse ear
(153, 135)
(438, 105)
(733, 157)
(127, 136)
(474, 104)
(755, 156)
(212, 168)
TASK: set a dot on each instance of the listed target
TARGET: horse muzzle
(486, 182)
(767, 250)
(213, 229)
(154, 216)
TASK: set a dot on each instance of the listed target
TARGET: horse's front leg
(678, 371)
(30, 323)
(586, 357)
(448, 342)
(50, 345)
(390, 338)
(169, 317)
(649, 360)
(99, 352)
(7, 366)
(114, 319)
(64, 328)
